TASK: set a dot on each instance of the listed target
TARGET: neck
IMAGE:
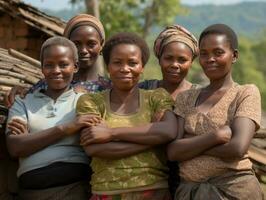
(121, 96)
(175, 88)
(88, 73)
(54, 94)
(224, 82)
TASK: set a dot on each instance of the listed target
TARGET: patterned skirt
(242, 185)
(159, 194)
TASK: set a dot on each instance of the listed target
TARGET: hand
(81, 121)
(224, 134)
(100, 133)
(9, 98)
(17, 126)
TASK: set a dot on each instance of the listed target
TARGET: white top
(41, 112)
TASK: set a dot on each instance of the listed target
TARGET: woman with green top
(128, 163)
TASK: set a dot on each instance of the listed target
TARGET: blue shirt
(41, 112)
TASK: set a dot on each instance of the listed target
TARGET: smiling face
(216, 56)
(175, 62)
(58, 67)
(88, 43)
(125, 66)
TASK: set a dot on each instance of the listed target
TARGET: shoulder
(93, 97)
(158, 93)
(188, 94)
(248, 88)
(149, 84)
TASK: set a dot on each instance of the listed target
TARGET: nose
(211, 59)
(175, 64)
(125, 68)
(56, 70)
(83, 50)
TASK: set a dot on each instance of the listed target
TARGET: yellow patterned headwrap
(175, 33)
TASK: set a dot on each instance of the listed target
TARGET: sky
(61, 4)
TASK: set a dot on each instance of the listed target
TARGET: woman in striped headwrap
(176, 48)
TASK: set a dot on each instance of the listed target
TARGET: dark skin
(216, 59)
(88, 42)
(58, 67)
(175, 62)
(125, 67)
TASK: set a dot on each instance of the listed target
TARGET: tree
(133, 15)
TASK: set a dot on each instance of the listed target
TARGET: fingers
(14, 130)
(9, 97)
(17, 126)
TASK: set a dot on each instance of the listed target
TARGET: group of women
(114, 141)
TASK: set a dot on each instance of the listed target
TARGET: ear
(235, 56)
(76, 67)
(142, 70)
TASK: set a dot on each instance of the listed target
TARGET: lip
(84, 58)
(56, 78)
(211, 68)
(125, 78)
(174, 73)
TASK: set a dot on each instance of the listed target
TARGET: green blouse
(143, 169)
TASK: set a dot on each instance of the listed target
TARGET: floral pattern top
(238, 101)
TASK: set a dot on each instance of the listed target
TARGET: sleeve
(249, 104)
(149, 84)
(18, 110)
(89, 104)
(160, 101)
(180, 104)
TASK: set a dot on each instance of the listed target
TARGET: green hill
(247, 18)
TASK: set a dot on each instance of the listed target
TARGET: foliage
(136, 15)
(246, 18)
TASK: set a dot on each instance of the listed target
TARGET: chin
(86, 64)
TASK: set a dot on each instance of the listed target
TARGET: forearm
(151, 134)
(114, 150)
(230, 150)
(26, 144)
(188, 148)
(243, 130)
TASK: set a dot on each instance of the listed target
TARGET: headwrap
(84, 19)
(224, 30)
(175, 33)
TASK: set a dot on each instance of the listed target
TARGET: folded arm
(114, 150)
(182, 149)
(243, 130)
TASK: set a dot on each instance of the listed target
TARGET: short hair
(221, 29)
(126, 38)
(59, 41)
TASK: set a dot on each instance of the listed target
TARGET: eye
(77, 43)
(116, 62)
(133, 63)
(218, 52)
(168, 57)
(63, 65)
(91, 44)
(203, 53)
(48, 65)
(182, 60)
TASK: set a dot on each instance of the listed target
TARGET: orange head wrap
(85, 19)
